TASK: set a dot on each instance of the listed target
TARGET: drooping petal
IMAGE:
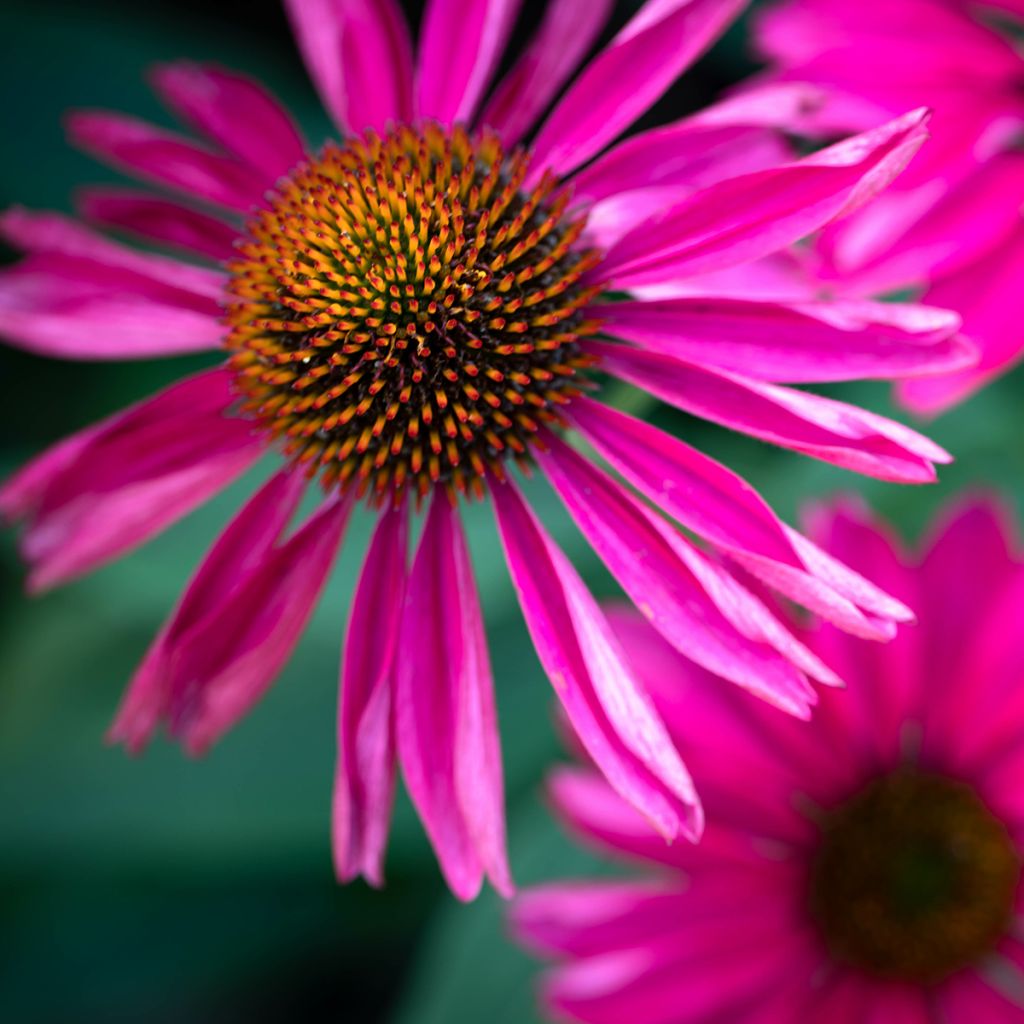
(222, 666)
(359, 56)
(626, 78)
(364, 777)
(460, 46)
(566, 33)
(233, 111)
(626, 536)
(157, 219)
(752, 215)
(445, 719)
(154, 154)
(707, 498)
(237, 552)
(609, 711)
(97, 495)
(795, 343)
(820, 427)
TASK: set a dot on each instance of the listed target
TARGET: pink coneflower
(953, 225)
(409, 312)
(862, 868)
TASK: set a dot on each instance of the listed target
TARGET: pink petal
(566, 33)
(97, 495)
(752, 215)
(795, 343)
(238, 552)
(609, 711)
(153, 154)
(159, 219)
(364, 779)
(707, 498)
(627, 77)
(823, 428)
(460, 47)
(359, 56)
(627, 537)
(233, 111)
(222, 667)
(447, 730)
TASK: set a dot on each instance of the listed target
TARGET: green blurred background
(175, 890)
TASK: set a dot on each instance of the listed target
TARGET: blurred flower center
(406, 312)
(914, 878)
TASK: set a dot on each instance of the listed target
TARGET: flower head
(866, 866)
(952, 227)
(408, 312)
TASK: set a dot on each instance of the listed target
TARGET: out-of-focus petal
(153, 154)
(609, 711)
(795, 343)
(364, 777)
(566, 33)
(627, 77)
(233, 111)
(460, 46)
(445, 719)
(359, 55)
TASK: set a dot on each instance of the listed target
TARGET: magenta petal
(161, 220)
(447, 730)
(364, 779)
(154, 154)
(825, 429)
(221, 667)
(233, 111)
(626, 536)
(359, 56)
(794, 343)
(460, 46)
(97, 495)
(565, 35)
(238, 551)
(626, 78)
(608, 709)
(750, 216)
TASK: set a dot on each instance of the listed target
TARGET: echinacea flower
(953, 226)
(863, 867)
(407, 313)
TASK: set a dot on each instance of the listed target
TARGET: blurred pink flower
(862, 868)
(954, 224)
(403, 313)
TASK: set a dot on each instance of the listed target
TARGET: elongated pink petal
(795, 343)
(566, 33)
(222, 666)
(359, 56)
(364, 778)
(55, 234)
(447, 732)
(159, 220)
(626, 78)
(823, 428)
(752, 215)
(460, 46)
(233, 111)
(108, 489)
(237, 552)
(660, 584)
(153, 154)
(609, 711)
(707, 498)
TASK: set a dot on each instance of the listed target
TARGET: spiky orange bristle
(405, 314)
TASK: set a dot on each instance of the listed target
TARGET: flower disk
(406, 313)
(914, 879)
